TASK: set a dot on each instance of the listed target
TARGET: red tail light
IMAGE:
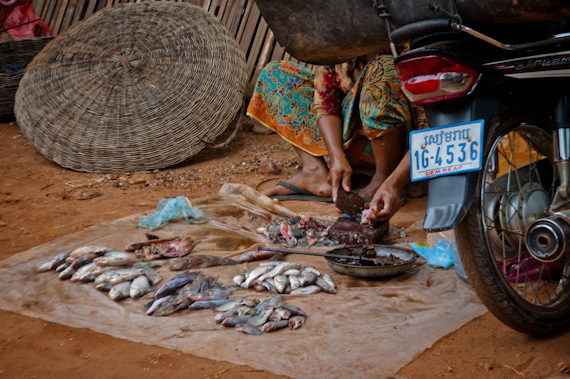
(432, 78)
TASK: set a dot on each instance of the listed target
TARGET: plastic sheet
(395, 319)
(173, 209)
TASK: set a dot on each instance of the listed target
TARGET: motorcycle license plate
(446, 150)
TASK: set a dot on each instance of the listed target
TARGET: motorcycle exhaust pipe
(546, 238)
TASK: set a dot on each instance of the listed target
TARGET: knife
(350, 203)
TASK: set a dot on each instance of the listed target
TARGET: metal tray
(407, 255)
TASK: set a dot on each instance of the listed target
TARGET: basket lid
(135, 87)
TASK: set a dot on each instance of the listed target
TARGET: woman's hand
(340, 173)
(384, 204)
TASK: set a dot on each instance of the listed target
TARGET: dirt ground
(41, 201)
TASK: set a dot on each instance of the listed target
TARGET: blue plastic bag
(440, 255)
(173, 209)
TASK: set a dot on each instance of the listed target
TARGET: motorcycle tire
(491, 239)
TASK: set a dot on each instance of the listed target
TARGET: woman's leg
(312, 178)
(387, 155)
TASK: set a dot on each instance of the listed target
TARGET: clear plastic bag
(440, 255)
(173, 209)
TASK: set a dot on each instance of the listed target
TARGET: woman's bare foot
(375, 183)
(312, 178)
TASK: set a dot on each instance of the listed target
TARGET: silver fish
(248, 329)
(116, 258)
(233, 321)
(280, 282)
(83, 270)
(62, 267)
(104, 277)
(253, 275)
(325, 286)
(177, 282)
(158, 302)
(295, 311)
(239, 279)
(261, 318)
(153, 276)
(273, 301)
(274, 325)
(46, 266)
(295, 282)
(259, 287)
(296, 322)
(52, 264)
(120, 291)
(124, 275)
(87, 250)
(303, 291)
(307, 278)
(269, 285)
(327, 278)
(208, 304)
(292, 272)
(235, 303)
(67, 273)
(313, 270)
(279, 269)
(139, 287)
(105, 287)
(280, 314)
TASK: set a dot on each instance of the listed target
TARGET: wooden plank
(249, 30)
(256, 47)
(101, 4)
(206, 5)
(90, 8)
(50, 12)
(79, 11)
(222, 9)
(38, 6)
(234, 21)
(230, 14)
(71, 8)
(45, 9)
(54, 15)
(60, 14)
(244, 20)
(278, 52)
(265, 54)
(213, 7)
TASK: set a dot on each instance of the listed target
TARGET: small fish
(52, 264)
(296, 322)
(235, 303)
(295, 282)
(233, 321)
(280, 314)
(273, 301)
(278, 270)
(325, 286)
(104, 287)
(177, 282)
(158, 302)
(201, 261)
(261, 318)
(307, 278)
(87, 250)
(309, 290)
(62, 267)
(277, 258)
(153, 276)
(83, 271)
(83, 260)
(239, 279)
(259, 287)
(208, 304)
(274, 325)
(120, 291)
(295, 311)
(313, 270)
(280, 282)
(292, 272)
(116, 258)
(124, 275)
(248, 329)
(269, 285)
(253, 275)
(67, 273)
(139, 287)
(256, 255)
(215, 293)
(329, 280)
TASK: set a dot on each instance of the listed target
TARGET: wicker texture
(14, 56)
(134, 87)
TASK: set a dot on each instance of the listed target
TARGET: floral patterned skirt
(283, 101)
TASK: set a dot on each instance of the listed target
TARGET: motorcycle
(497, 157)
(495, 89)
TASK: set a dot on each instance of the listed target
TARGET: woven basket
(14, 56)
(134, 87)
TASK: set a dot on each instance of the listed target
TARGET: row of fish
(256, 316)
(286, 277)
(121, 273)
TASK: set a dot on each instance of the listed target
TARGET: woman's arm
(340, 170)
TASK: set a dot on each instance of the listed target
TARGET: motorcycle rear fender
(450, 197)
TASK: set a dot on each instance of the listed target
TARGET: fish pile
(286, 277)
(201, 261)
(165, 248)
(256, 316)
(189, 290)
(299, 231)
(119, 272)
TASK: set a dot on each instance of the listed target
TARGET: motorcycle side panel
(450, 197)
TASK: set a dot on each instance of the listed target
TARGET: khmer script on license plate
(446, 150)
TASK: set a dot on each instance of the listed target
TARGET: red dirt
(41, 201)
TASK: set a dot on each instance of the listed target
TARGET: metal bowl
(408, 257)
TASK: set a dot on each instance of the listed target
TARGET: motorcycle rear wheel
(515, 186)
